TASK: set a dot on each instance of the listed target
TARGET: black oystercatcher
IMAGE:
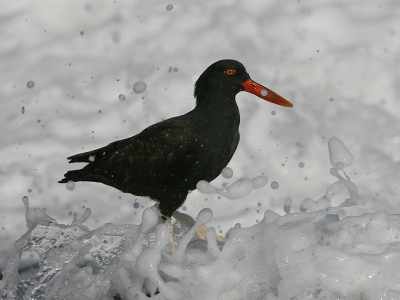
(166, 160)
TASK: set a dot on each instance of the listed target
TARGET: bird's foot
(188, 221)
(201, 234)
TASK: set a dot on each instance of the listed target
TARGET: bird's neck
(216, 110)
(222, 101)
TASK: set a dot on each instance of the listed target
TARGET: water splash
(339, 155)
(236, 190)
(300, 255)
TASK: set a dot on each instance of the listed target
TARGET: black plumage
(166, 160)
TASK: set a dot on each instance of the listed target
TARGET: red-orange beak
(253, 87)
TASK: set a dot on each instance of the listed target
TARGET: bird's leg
(201, 232)
(171, 235)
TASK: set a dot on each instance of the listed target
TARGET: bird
(167, 159)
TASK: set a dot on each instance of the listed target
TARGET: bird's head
(229, 77)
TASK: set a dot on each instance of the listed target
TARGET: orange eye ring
(230, 72)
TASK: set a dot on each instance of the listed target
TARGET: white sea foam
(317, 254)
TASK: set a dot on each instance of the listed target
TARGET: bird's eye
(230, 72)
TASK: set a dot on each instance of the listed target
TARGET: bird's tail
(74, 175)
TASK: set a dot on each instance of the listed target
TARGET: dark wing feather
(99, 153)
(159, 158)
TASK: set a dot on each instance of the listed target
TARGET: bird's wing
(100, 153)
(161, 146)
(167, 146)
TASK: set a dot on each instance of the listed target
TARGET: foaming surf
(317, 253)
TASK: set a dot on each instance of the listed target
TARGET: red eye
(230, 72)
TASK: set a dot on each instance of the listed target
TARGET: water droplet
(170, 7)
(338, 153)
(38, 120)
(259, 181)
(273, 113)
(175, 70)
(331, 99)
(274, 185)
(238, 189)
(70, 185)
(23, 109)
(329, 218)
(69, 213)
(30, 84)
(82, 33)
(30, 191)
(136, 205)
(25, 200)
(287, 205)
(205, 187)
(264, 93)
(139, 87)
(121, 97)
(204, 216)
(339, 165)
(227, 173)
(259, 204)
(301, 165)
